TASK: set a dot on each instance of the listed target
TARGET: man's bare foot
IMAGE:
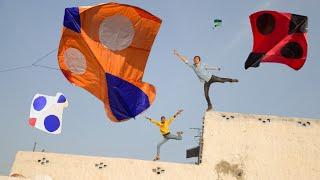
(234, 80)
(157, 158)
(179, 133)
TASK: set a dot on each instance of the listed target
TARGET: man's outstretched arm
(182, 58)
(153, 121)
(174, 116)
(213, 68)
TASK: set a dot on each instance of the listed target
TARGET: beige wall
(281, 149)
(81, 167)
(11, 178)
(241, 147)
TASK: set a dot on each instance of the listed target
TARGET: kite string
(34, 64)
(15, 68)
(43, 57)
(46, 67)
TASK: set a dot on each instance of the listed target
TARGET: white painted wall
(241, 147)
(280, 149)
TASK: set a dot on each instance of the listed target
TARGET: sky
(31, 29)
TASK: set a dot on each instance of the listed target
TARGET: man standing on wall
(202, 71)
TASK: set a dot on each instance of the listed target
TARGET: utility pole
(34, 146)
(200, 142)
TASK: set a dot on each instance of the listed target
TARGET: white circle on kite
(116, 32)
(75, 61)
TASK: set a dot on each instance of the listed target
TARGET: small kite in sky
(217, 23)
(46, 112)
(278, 38)
(104, 49)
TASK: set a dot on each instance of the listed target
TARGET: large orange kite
(104, 49)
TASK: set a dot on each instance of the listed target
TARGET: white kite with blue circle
(46, 112)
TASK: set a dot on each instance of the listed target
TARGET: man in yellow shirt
(165, 131)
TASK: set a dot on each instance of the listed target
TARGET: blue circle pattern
(39, 103)
(51, 123)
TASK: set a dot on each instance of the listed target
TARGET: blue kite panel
(126, 100)
(72, 19)
(62, 99)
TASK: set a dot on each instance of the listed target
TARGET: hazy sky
(30, 29)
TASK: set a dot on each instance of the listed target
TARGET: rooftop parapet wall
(11, 178)
(62, 167)
(235, 147)
(262, 147)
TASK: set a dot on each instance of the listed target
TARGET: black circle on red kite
(266, 23)
(292, 50)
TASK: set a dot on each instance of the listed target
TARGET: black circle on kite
(292, 50)
(266, 23)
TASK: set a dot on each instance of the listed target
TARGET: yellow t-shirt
(164, 127)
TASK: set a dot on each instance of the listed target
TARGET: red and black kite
(278, 38)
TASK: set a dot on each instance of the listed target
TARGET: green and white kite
(217, 23)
